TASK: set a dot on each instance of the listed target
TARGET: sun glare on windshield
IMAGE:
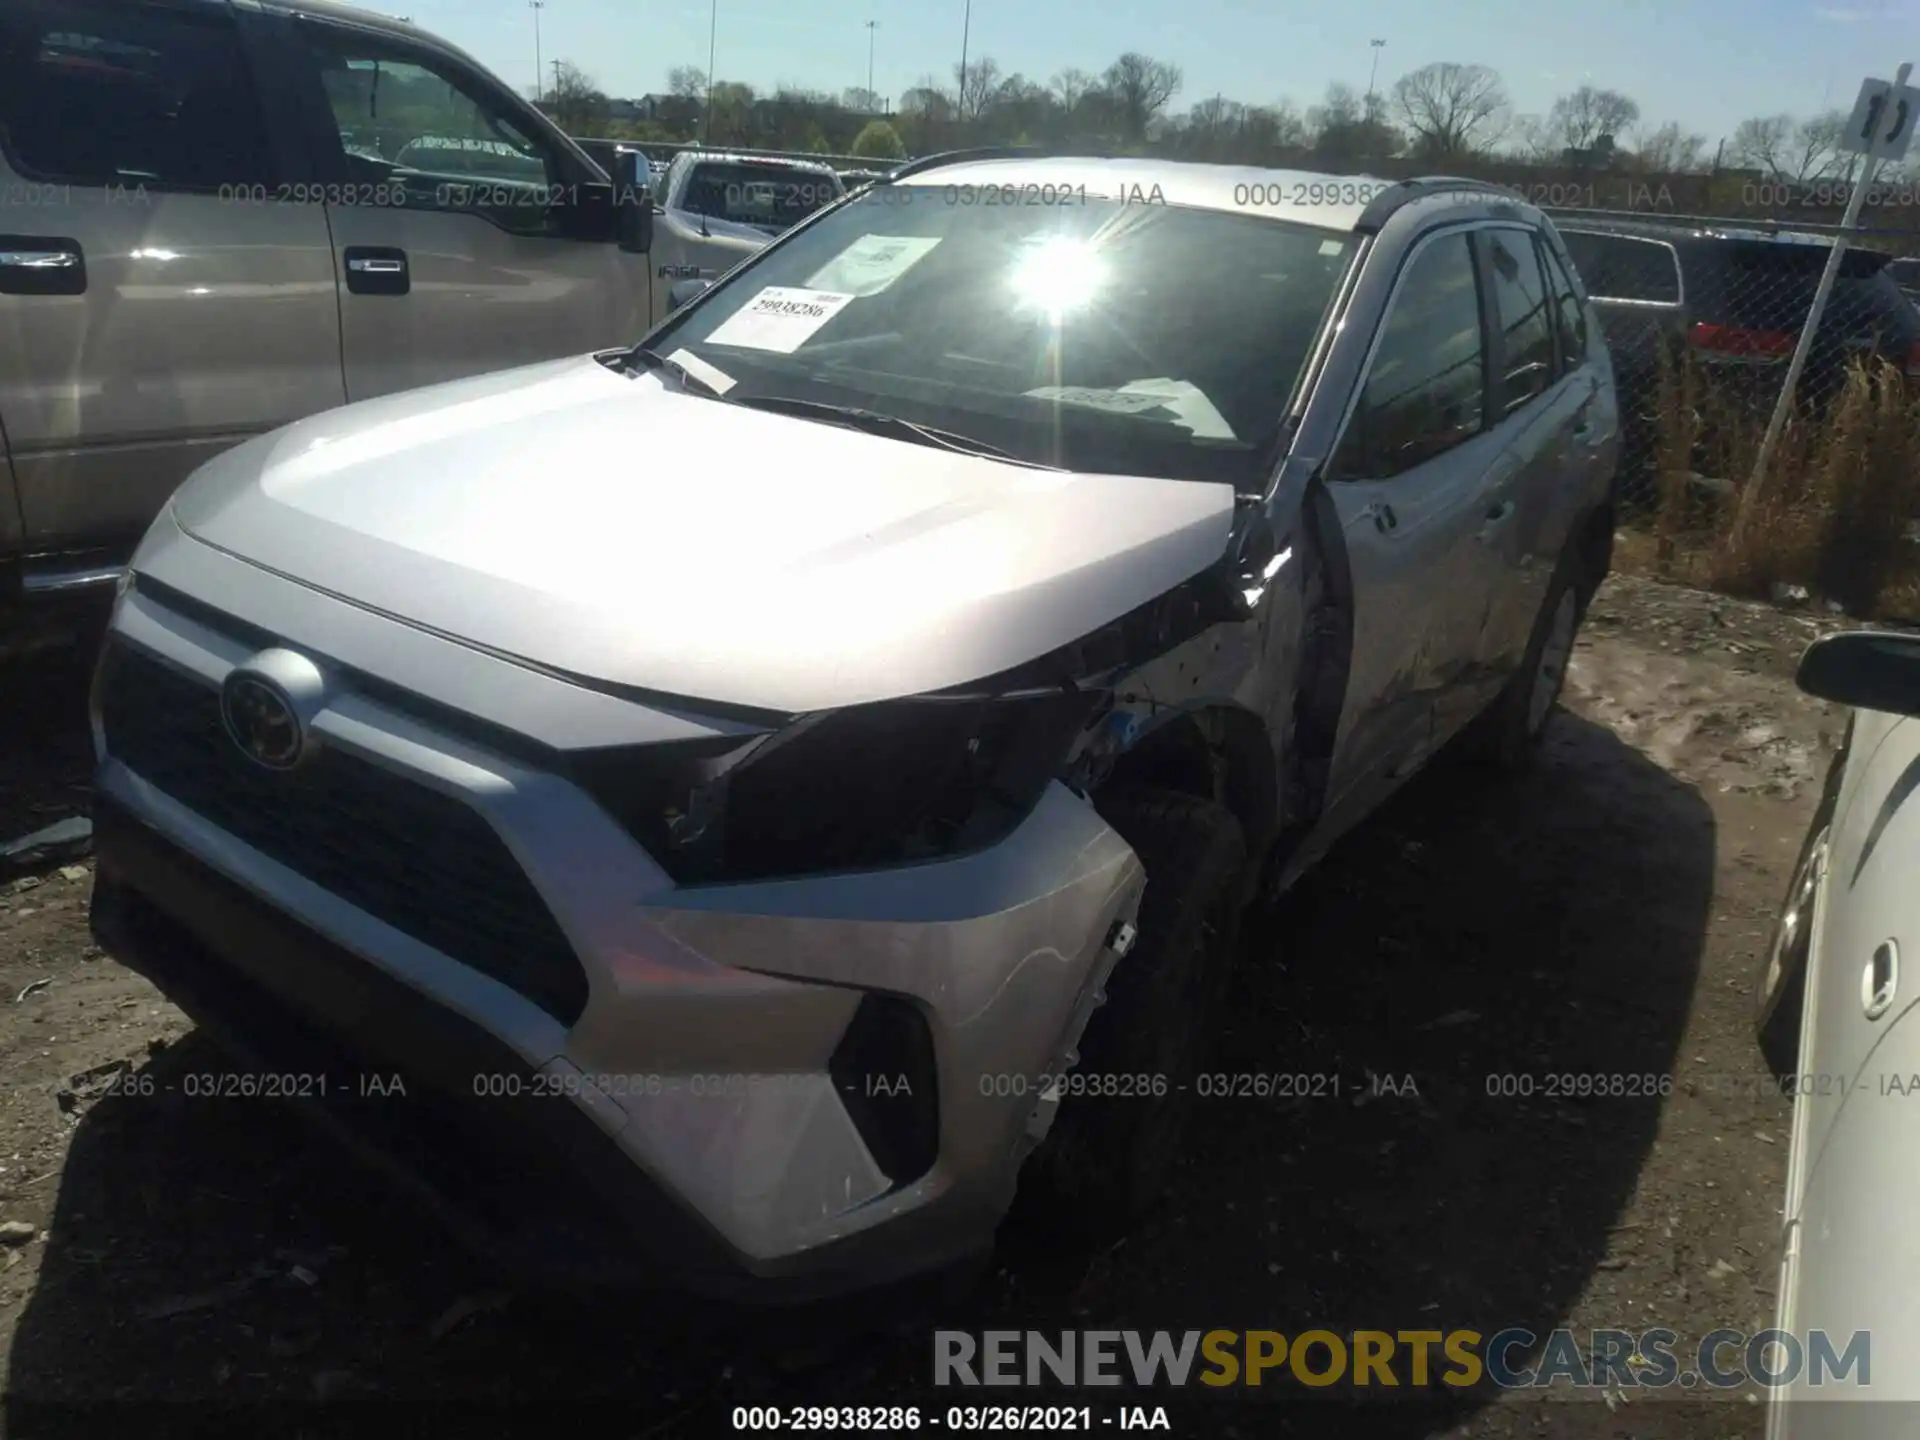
(1059, 275)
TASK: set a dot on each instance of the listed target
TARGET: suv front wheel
(1117, 1134)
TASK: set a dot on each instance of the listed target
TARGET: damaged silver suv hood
(619, 529)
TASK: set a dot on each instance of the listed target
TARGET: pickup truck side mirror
(683, 291)
(632, 202)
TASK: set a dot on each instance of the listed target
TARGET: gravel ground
(1602, 917)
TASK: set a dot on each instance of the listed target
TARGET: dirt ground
(1603, 916)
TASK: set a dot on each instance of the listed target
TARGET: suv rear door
(1518, 512)
(163, 298)
(502, 256)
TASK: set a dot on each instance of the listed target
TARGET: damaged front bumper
(738, 1099)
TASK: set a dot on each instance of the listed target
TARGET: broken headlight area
(862, 788)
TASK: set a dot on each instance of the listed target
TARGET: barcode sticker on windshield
(872, 263)
(780, 318)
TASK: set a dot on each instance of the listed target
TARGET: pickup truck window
(1084, 332)
(423, 135)
(774, 198)
(125, 96)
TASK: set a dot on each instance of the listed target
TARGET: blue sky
(1705, 63)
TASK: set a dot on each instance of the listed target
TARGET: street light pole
(1372, 74)
(713, 31)
(872, 25)
(539, 70)
(966, 28)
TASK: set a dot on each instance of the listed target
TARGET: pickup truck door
(468, 235)
(684, 250)
(1404, 478)
(160, 297)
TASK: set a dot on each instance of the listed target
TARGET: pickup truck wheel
(1114, 1142)
(1507, 735)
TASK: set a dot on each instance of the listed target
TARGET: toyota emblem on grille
(261, 721)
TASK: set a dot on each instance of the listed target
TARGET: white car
(1836, 1023)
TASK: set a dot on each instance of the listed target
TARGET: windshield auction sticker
(872, 263)
(780, 318)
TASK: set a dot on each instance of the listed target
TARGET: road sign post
(1880, 128)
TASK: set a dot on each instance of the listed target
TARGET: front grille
(422, 862)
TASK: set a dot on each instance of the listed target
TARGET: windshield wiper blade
(892, 427)
(654, 360)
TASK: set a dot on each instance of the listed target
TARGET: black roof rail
(990, 152)
(1383, 205)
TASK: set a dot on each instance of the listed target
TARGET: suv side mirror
(1866, 669)
(632, 202)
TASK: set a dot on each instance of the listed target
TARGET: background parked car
(220, 219)
(1735, 302)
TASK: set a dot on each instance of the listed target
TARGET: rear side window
(1524, 316)
(1569, 315)
(1425, 391)
(110, 94)
(1624, 267)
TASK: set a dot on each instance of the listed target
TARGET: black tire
(1778, 1005)
(1506, 735)
(1107, 1159)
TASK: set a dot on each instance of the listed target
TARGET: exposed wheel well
(1220, 754)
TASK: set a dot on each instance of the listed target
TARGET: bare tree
(1669, 150)
(575, 102)
(1533, 140)
(1803, 151)
(1345, 130)
(1140, 88)
(1341, 110)
(1450, 109)
(1281, 121)
(1070, 87)
(1581, 119)
(978, 86)
(928, 100)
(687, 81)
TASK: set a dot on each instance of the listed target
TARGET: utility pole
(966, 27)
(872, 25)
(713, 31)
(1373, 73)
(539, 70)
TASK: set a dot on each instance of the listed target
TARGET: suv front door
(1404, 478)
(161, 296)
(467, 238)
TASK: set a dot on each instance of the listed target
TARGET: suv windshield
(772, 197)
(1092, 334)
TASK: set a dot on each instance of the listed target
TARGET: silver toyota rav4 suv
(776, 798)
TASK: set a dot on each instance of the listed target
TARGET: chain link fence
(1703, 315)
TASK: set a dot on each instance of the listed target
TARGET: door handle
(1880, 979)
(41, 265)
(377, 270)
(1384, 519)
